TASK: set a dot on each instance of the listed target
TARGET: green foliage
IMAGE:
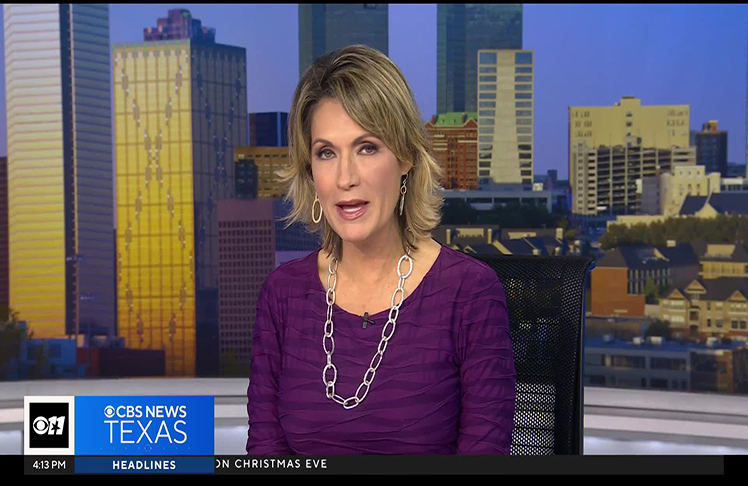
(722, 229)
(11, 338)
(658, 327)
(231, 365)
(652, 291)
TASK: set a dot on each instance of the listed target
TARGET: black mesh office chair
(546, 302)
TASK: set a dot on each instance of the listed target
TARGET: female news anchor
(383, 341)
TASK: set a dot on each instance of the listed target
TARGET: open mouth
(352, 211)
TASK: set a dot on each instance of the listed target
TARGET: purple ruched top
(446, 384)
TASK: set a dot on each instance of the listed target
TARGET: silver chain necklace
(355, 400)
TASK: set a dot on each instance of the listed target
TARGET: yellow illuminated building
(180, 109)
(660, 127)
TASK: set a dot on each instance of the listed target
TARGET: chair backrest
(546, 304)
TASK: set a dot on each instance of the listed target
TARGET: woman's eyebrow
(358, 140)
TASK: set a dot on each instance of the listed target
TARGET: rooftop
(665, 347)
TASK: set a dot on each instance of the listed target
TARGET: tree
(658, 327)
(652, 292)
(12, 336)
(458, 211)
(722, 229)
(233, 366)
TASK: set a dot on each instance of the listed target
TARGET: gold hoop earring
(403, 190)
(316, 201)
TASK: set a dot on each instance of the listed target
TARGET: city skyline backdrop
(662, 54)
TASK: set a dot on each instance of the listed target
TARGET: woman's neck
(372, 261)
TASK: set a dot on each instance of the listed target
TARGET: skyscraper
(59, 166)
(628, 121)
(454, 137)
(4, 302)
(180, 109)
(462, 29)
(324, 27)
(268, 129)
(506, 98)
(179, 24)
(711, 148)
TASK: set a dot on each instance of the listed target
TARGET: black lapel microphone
(367, 320)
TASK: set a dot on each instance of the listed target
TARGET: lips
(351, 211)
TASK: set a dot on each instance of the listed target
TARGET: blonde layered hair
(375, 94)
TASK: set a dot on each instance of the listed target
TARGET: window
(524, 121)
(525, 156)
(528, 104)
(487, 104)
(658, 383)
(485, 130)
(370, 5)
(708, 323)
(487, 96)
(628, 361)
(628, 123)
(523, 87)
(487, 113)
(485, 138)
(523, 79)
(734, 324)
(523, 58)
(484, 164)
(524, 113)
(487, 58)
(524, 138)
(517, 96)
(487, 70)
(487, 87)
(487, 79)
(596, 380)
(486, 121)
(524, 130)
(719, 323)
(485, 147)
(525, 147)
(523, 70)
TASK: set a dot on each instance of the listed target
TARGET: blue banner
(144, 426)
(144, 465)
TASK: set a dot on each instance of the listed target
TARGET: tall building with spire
(180, 109)
(60, 200)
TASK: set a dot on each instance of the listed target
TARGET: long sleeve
(487, 373)
(265, 435)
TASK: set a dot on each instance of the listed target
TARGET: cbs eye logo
(48, 425)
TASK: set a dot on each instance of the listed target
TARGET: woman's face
(356, 176)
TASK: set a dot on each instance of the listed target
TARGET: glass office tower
(60, 201)
(325, 27)
(462, 29)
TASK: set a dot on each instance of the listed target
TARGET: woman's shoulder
(459, 266)
(292, 274)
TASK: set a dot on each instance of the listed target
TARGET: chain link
(359, 396)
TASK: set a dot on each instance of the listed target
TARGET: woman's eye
(370, 149)
(321, 153)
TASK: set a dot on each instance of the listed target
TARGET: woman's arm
(265, 436)
(487, 373)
